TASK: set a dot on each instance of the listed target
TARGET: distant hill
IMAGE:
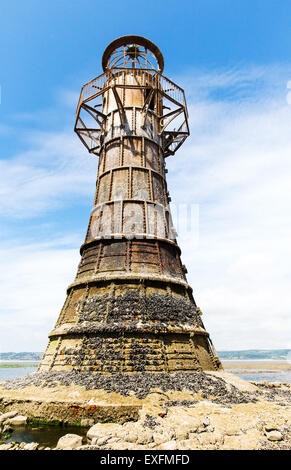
(21, 356)
(275, 354)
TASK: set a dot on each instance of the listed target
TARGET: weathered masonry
(130, 308)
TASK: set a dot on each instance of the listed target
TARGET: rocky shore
(209, 412)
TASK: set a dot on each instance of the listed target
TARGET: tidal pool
(46, 435)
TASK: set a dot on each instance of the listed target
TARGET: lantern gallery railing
(163, 98)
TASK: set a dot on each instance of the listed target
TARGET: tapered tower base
(129, 324)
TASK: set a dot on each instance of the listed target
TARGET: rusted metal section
(132, 51)
(125, 97)
(131, 256)
(130, 308)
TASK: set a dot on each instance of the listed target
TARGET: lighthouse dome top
(132, 52)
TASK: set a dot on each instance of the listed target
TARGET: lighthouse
(130, 308)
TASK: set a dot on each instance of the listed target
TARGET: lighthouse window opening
(152, 102)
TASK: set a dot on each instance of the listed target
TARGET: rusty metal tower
(130, 308)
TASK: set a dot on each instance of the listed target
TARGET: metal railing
(99, 84)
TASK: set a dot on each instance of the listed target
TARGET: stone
(104, 429)
(5, 416)
(274, 436)
(145, 437)
(271, 427)
(7, 428)
(169, 445)
(206, 421)
(131, 435)
(69, 441)
(164, 435)
(6, 446)
(212, 438)
(187, 444)
(101, 441)
(88, 447)
(87, 422)
(18, 420)
(183, 429)
(31, 446)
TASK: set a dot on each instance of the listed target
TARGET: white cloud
(43, 177)
(237, 168)
(33, 282)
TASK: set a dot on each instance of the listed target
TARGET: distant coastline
(256, 354)
(248, 354)
(20, 356)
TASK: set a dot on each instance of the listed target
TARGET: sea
(12, 370)
(20, 368)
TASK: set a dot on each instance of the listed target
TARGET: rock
(271, 427)
(170, 445)
(6, 446)
(183, 423)
(206, 421)
(274, 436)
(17, 420)
(131, 435)
(163, 436)
(69, 441)
(206, 438)
(104, 430)
(5, 416)
(145, 437)
(87, 422)
(31, 446)
(88, 447)
(101, 441)
(7, 428)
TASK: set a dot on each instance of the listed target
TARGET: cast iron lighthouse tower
(130, 308)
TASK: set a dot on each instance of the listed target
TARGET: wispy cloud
(33, 280)
(237, 166)
(42, 178)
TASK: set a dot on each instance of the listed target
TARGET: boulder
(6, 446)
(101, 441)
(5, 416)
(69, 441)
(170, 445)
(31, 446)
(18, 420)
(274, 436)
(7, 428)
(145, 437)
(87, 422)
(163, 435)
(104, 430)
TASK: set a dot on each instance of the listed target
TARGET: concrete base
(72, 403)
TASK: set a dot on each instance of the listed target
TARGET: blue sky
(233, 59)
